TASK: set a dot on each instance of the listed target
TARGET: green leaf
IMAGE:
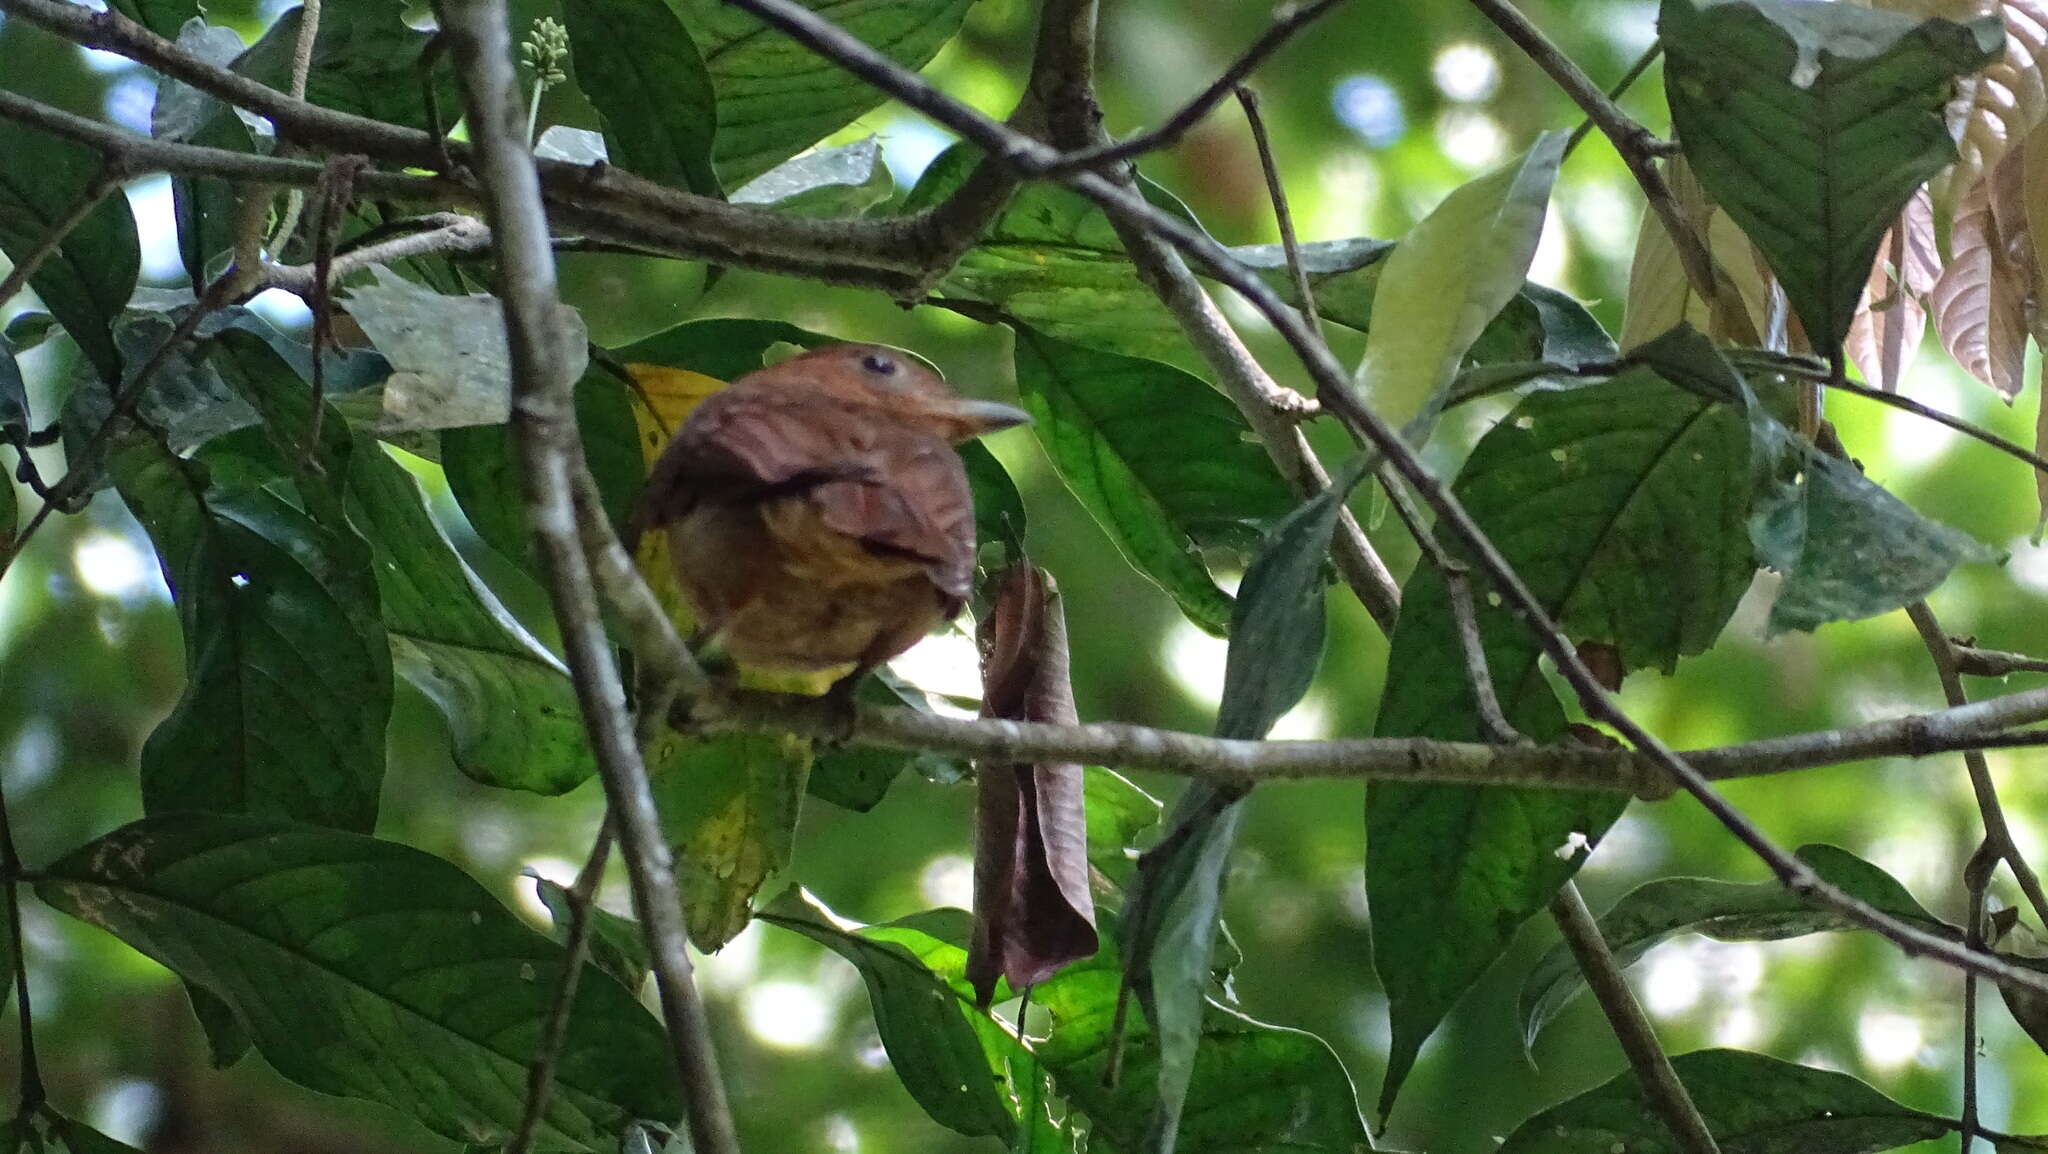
(925, 1021)
(840, 182)
(1163, 461)
(617, 945)
(226, 1040)
(78, 1138)
(1622, 504)
(998, 507)
(1118, 812)
(1539, 324)
(1812, 124)
(1253, 1087)
(7, 958)
(1848, 549)
(777, 98)
(1725, 911)
(292, 927)
(724, 348)
(729, 807)
(1754, 1104)
(1448, 278)
(289, 669)
(365, 61)
(163, 17)
(857, 776)
(635, 62)
(511, 711)
(1276, 631)
(86, 282)
(203, 209)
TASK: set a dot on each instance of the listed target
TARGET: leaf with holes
(288, 924)
(1812, 124)
(841, 182)
(1622, 505)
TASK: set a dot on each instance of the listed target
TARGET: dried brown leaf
(2008, 99)
(1033, 911)
(1660, 296)
(1980, 300)
(1893, 316)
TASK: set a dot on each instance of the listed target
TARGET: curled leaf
(2008, 99)
(1893, 316)
(1033, 912)
(1980, 299)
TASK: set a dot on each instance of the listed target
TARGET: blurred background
(1376, 114)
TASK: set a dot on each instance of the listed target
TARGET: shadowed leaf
(86, 282)
(636, 63)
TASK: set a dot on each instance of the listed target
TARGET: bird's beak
(975, 418)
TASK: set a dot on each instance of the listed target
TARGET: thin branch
(1977, 662)
(655, 642)
(455, 234)
(540, 1077)
(1614, 94)
(1282, 215)
(1996, 830)
(1661, 1087)
(1977, 883)
(1128, 208)
(1637, 145)
(544, 432)
(103, 185)
(1288, 20)
(10, 871)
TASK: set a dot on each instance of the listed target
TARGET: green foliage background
(85, 675)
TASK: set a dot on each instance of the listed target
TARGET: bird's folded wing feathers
(913, 502)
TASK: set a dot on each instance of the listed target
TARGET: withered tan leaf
(1980, 300)
(1893, 316)
(1033, 910)
(2005, 102)
(1659, 295)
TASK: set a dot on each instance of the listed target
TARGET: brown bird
(817, 515)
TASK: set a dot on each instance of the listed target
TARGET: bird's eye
(879, 365)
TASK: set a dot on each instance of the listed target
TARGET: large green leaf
(1848, 549)
(511, 710)
(635, 62)
(1622, 505)
(1812, 124)
(365, 61)
(1753, 1104)
(289, 669)
(1448, 279)
(1726, 911)
(87, 281)
(372, 970)
(203, 209)
(777, 98)
(163, 17)
(1163, 461)
(926, 1023)
(729, 808)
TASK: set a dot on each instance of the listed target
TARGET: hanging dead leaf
(1033, 912)
(1890, 322)
(1980, 300)
(1660, 296)
(2001, 106)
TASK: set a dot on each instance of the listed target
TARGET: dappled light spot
(787, 1015)
(1369, 106)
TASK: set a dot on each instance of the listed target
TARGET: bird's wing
(743, 443)
(911, 501)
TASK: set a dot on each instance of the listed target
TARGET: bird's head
(872, 377)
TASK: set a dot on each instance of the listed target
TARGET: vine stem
(10, 868)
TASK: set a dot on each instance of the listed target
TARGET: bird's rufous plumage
(817, 514)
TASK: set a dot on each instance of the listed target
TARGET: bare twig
(1621, 87)
(1287, 21)
(1126, 207)
(110, 177)
(453, 233)
(1978, 662)
(1282, 216)
(1996, 830)
(540, 1077)
(1661, 1087)
(656, 644)
(1977, 884)
(544, 428)
(337, 190)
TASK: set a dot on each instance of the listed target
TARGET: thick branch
(1335, 388)
(1377, 758)
(544, 430)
